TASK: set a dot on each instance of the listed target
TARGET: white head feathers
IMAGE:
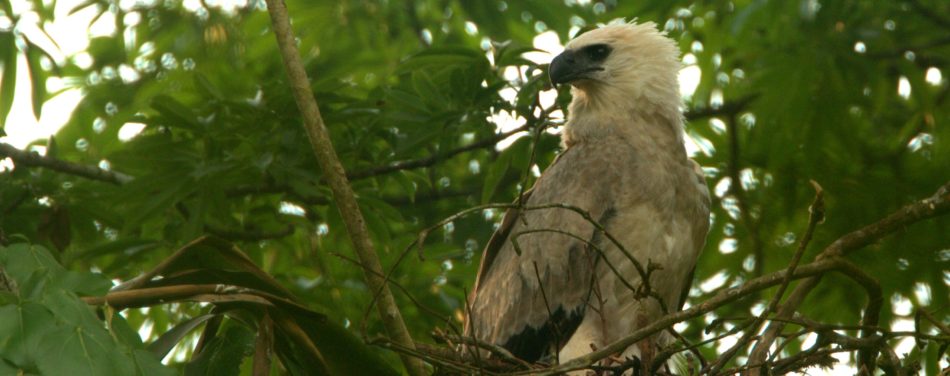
(637, 79)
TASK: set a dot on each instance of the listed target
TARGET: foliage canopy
(845, 93)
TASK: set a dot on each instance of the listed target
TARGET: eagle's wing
(531, 303)
(501, 235)
(497, 240)
(700, 225)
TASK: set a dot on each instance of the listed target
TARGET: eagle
(563, 275)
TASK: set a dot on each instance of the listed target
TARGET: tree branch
(817, 214)
(940, 42)
(729, 108)
(720, 299)
(336, 178)
(931, 15)
(33, 159)
(433, 159)
(872, 312)
(937, 204)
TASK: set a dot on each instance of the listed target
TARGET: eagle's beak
(570, 66)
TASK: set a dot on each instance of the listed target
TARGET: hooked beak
(570, 66)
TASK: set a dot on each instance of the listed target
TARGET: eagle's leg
(647, 348)
(647, 353)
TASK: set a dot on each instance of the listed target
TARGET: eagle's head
(619, 68)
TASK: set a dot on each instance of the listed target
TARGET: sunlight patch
(859, 47)
(714, 282)
(291, 209)
(130, 131)
(689, 78)
(550, 45)
(903, 87)
(934, 76)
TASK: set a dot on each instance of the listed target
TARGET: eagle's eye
(597, 52)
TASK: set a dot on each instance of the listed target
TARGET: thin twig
(816, 215)
(405, 291)
(432, 160)
(557, 329)
(476, 355)
(444, 358)
(942, 326)
(623, 279)
(499, 351)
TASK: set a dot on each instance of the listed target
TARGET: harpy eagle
(624, 163)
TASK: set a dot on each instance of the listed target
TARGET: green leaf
(177, 113)
(224, 354)
(22, 328)
(427, 89)
(81, 351)
(495, 174)
(37, 77)
(124, 333)
(443, 57)
(164, 199)
(83, 5)
(207, 88)
(21, 260)
(343, 352)
(167, 341)
(528, 93)
(8, 89)
(116, 247)
(24, 262)
(511, 55)
(405, 182)
(51, 331)
(106, 51)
